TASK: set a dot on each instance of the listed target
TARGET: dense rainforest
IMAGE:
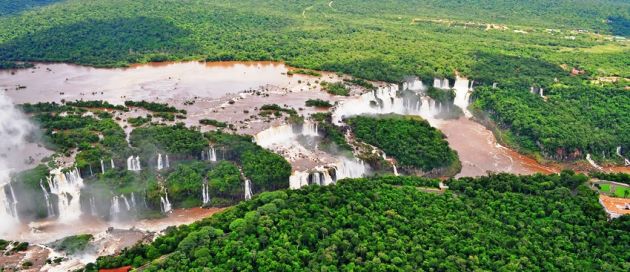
(89, 131)
(496, 223)
(565, 124)
(515, 44)
(410, 140)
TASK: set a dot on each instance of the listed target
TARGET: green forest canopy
(497, 223)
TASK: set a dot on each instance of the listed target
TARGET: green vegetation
(369, 225)
(176, 139)
(99, 104)
(410, 140)
(213, 122)
(570, 122)
(72, 244)
(268, 171)
(616, 177)
(333, 137)
(361, 82)
(304, 72)
(138, 121)
(318, 103)
(154, 107)
(337, 88)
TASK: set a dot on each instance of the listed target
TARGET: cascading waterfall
(248, 190)
(388, 99)
(126, 201)
(167, 163)
(441, 83)
(102, 167)
(160, 165)
(164, 201)
(7, 212)
(392, 163)
(114, 209)
(14, 130)
(133, 164)
(625, 160)
(212, 154)
(275, 135)
(592, 162)
(133, 200)
(329, 174)
(50, 211)
(112, 162)
(413, 84)
(310, 129)
(205, 194)
(67, 187)
(93, 209)
(463, 88)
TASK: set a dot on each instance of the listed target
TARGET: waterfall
(124, 198)
(625, 160)
(388, 99)
(413, 84)
(159, 162)
(91, 173)
(298, 179)
(7, 211)
(275, 135)
(441, 83)
(102, 167)
(212, 154)
(462, 94)
(67, 187)
(205, 194)
(592, 162)
(350, 168)
(115, 207)
(93, 209)
(167, 164)
(164, 201)
(494, 85)
(310, 129)
(395, 169)
(112, 161)
(166, 204)
(133, 200)
(133, 164)
(50, 211)
(248, 189)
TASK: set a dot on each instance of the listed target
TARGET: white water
(14, 128)
(160, 164)
(205, 194)
(112, 162)
(323, 175)
(93, 209)
(164, 201)
(310, 129)
(67, 187)
(463, 89)
(625, 160)
(133, 164)
(114, 209)
(592, 162)
(414, 84)
(212, 154)
(50, 211)
(167, 163)
(387, 99)
(248, 190)
(441, 83)
(275, 135)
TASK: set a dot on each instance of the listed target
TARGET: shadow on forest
(103, 43)
(524, 72)
(17, 6)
